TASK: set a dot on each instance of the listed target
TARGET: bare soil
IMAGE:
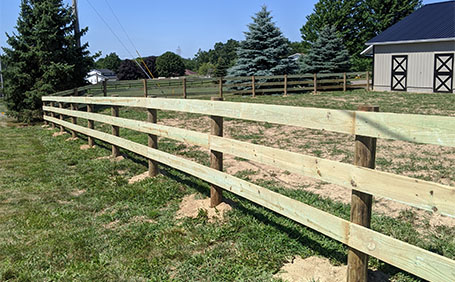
(191, 206)
(138, 178)
(321, 270)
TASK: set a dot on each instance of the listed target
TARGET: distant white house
(98, 75)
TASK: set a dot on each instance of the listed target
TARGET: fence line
(250, 85)
(423, 194)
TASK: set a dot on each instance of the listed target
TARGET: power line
(118, 38)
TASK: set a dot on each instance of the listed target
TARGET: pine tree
(264, 50)
(327, 54)
(43, 58)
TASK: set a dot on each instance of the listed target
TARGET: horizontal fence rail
(246, 85)
(414, 192)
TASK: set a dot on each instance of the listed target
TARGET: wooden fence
(361, 177)
(251, 85)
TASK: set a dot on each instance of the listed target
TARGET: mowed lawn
(66, 214)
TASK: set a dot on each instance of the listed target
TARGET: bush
(170, 64)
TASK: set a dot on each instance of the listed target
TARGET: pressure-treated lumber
(344, 82)
(115, 131)
(220, 87)
(365, 156)
(315, 83)
(415, 192)
(60, 105)
(421, 263)
(285, 85)
(104, 88)
(91, 125)
(144, 82)
(216, 157)
(438, 130)
(152, 117)
(184, 87)
(73, 107)
(253, 86)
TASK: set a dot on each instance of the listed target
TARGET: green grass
(65, 215)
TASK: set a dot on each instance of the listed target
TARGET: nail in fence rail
(365, 156)
(416, 192)
(152, 141)
(216, 157)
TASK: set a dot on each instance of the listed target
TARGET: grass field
(67, 215)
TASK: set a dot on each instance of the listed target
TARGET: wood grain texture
(428, 129)
(421, 263)
(216, 157)
(414, 192)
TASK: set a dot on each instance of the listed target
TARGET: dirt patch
(121, 172)
(319, 269)
(116, 159)
(77, 193)
(86, 147)
(60, 133)
(44, 126)
(142, 218)
(71, 139)
(138, 178)
(111, 225)
(190, 207)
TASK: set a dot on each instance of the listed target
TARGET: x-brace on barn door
(399, 72)
(443, 73)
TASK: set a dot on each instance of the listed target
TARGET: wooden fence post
(60, 105)
(52, 104)
(104, 88)
(184, 87)
(73, 107)
(315, 83)
(152, 141)
(345, 82)
(221, 87)
(285, 85)
(45, 114)
(253, 86)
(144, 81)
(90, 124)
(216, 158)
(115, 130)
(368, 80)
(365, 156)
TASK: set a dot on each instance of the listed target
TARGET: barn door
(399, 72)
(443, 73)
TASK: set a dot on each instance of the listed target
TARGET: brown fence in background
(188, 87)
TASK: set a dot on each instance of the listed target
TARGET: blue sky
(159, 26)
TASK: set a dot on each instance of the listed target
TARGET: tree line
(43, 57)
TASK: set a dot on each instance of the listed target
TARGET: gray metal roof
(429, 23)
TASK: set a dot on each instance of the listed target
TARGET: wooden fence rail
(251, 85)
(415, 128)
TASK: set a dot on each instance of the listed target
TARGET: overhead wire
(118, 38)
(128, 37)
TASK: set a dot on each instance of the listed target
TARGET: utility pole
(76, 24)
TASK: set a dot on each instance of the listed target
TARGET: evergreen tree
(43, 58)
(264, 51)
(356, 21)
(327, 54)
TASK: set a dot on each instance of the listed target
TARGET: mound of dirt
(190, 206)
(71, 139)
(86, 147)
(116, 159)
(138, 178)
(319, 269)
(60, 133)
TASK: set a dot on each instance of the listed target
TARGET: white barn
(98, 75)
(417, 53)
